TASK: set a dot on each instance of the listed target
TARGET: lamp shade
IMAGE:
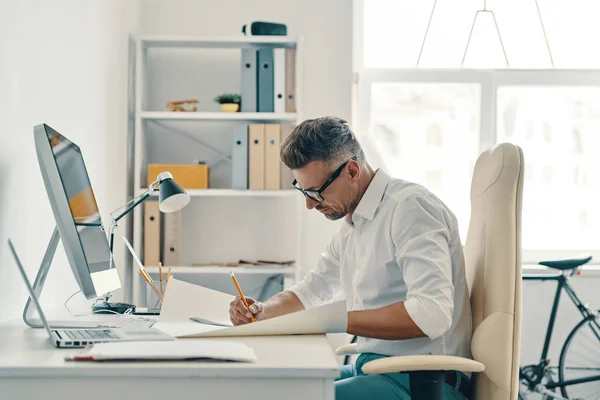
(171, 197)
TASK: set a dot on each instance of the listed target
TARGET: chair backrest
(493, 266)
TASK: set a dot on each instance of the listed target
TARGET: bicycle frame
(587, 313)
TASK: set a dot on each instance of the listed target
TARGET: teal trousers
(354, 385)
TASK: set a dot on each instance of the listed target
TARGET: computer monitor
(76, 212)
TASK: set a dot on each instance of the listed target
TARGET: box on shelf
(188, 176)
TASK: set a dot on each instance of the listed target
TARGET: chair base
(427, 385)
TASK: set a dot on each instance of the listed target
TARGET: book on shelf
(290, 80)
(171, 238)
(256, 163)
(268, 80)
(239, 157)
(279, 80)
(152, 232)
(162, 236)
(272, 170)
(188, 176)
(266, 90)
(256, 156)
(249, 81)
(286, 176)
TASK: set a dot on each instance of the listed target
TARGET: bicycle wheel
(531, 371)
(580, 359)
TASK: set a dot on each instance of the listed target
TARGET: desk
(288, 367)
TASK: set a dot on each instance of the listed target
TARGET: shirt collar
(372, 197)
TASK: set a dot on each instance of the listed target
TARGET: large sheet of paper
(184, 300)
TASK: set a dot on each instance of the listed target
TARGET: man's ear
(354, 170)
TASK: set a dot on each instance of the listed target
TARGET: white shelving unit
(218, 116)
(146, 116)
(254, 270)
(233, 42)
(235, 193)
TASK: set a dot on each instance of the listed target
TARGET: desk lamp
(171, 198)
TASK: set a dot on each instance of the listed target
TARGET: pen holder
(153, 301)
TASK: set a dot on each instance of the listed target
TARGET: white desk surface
(27, 352)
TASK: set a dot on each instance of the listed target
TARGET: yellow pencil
(160, 271)
(168, 274)
(144, 275)
(235, 282)
(147, 275)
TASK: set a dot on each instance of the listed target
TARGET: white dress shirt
(403, 245)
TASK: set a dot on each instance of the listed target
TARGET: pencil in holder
(153, 300)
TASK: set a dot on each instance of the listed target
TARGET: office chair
(493, 267)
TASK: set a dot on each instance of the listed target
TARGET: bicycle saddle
(569, 263)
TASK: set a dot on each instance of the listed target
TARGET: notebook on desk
(178, 350)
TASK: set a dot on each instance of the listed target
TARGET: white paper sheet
(331, 318)
(171, 350)
(184, 300)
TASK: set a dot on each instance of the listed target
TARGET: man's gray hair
(326, 139)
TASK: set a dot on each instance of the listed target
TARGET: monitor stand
(38, 285)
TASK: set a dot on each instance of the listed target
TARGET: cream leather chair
(493, 263)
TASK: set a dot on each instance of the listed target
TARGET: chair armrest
(346, 349)
(421, 363)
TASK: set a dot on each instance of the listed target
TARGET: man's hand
(240, 315)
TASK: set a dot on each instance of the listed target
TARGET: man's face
(339, 197)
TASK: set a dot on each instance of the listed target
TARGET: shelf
(255, 270)
(217, 42)
(209, 129)
(235, 193)
(217, 116)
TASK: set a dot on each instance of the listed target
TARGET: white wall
(63, 63)
(326, 27)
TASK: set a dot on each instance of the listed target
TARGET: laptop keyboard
(89, 334)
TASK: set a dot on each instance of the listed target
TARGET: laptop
(72, 338)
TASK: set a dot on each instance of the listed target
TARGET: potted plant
(229, 102)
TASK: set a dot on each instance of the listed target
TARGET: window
(558, 109)
(529, 130)
(529, 173)
(428, 134)
(428, 123)
(434, 179)
(434, 136)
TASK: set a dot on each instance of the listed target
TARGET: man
(397, 258)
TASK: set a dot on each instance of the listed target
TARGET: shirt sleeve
(421, 237)
(322, 284)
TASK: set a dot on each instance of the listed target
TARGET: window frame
(490, 81)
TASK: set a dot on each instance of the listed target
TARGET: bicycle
(579, 361)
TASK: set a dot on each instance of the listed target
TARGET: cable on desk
(128, 311)
(67, 307)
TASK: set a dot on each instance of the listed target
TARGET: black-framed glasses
(316, 194)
